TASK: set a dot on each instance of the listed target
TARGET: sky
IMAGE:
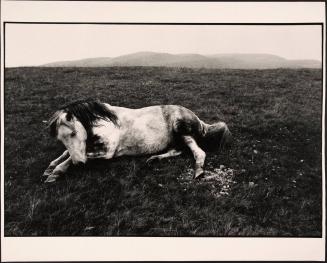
(37, 44)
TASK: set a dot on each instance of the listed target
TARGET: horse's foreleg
(59, 170)
(198, 153)
(168, 154)
(55, 162)
(97, 155)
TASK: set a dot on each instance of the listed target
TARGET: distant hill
(153, 59)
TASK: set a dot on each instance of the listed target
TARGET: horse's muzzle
(78, 160)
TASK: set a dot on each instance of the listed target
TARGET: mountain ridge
(191, 60)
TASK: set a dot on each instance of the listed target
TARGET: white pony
(90, 129)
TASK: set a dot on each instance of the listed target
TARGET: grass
(275, 118)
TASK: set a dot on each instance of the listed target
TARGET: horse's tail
(215, 136)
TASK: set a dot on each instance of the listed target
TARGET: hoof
(50, 180)
(199, 173)
(149, 160)
(47, 172)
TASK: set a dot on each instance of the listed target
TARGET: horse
(90, 129)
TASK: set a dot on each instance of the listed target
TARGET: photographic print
(236, 108)
(176, 131)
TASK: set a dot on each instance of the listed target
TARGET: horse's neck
(110, 107)
(103, 128)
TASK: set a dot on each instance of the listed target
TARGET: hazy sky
(29, 44)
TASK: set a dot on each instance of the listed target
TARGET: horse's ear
(69, 116)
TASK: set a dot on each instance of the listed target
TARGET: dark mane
(86, 111)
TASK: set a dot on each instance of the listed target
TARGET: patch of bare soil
(219, 180)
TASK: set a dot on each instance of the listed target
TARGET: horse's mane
(86, 111)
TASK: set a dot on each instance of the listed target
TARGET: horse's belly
(142, 147)
(146, 135)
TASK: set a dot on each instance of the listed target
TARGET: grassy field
(276, 183)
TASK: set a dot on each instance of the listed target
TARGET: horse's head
(67, 129)
(73, 124)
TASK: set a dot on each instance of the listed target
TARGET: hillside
(276, 157)
(153, 59)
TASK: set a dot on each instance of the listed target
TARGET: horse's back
(152, 129)
(175, 118)
(143, 131)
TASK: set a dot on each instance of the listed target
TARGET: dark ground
(274, 115)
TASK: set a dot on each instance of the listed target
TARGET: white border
(136, 248)
(181, 12)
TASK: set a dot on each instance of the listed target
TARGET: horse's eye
(73, 134)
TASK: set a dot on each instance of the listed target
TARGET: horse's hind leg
(55, 162)
(198, 153)
(59, 170)
(168, 154)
